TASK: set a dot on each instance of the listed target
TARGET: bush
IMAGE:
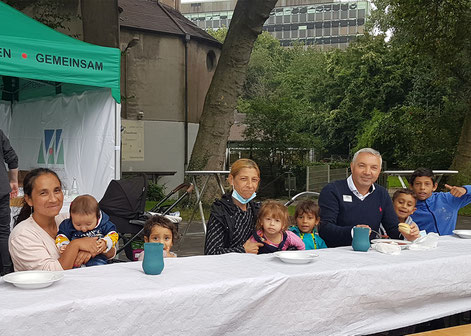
(155, 192)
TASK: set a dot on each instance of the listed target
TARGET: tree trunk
(462, 159)
(226, 86)
(221, 100)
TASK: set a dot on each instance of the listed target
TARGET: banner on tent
(74, 136)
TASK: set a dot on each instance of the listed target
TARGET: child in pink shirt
(271, 229)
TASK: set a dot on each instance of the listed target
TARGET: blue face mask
(242, 200)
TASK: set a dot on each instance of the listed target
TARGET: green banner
(29, 49)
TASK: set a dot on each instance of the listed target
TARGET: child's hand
(101, 244)
(414, 232)
(62, 248)
(456, 191)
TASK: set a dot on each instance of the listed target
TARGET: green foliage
(219, 34)
(406, 96)
(53, 13)
(155, 192)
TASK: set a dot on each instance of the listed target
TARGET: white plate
(402, 243)
(33, 279)
(296, 257)
(463, 233)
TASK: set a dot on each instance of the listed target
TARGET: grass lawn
(393, 182)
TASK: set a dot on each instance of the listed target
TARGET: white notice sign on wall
(132, 140)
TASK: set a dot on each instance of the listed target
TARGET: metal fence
(318, 176)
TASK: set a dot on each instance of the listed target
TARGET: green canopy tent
(29, 49)
(37, 61)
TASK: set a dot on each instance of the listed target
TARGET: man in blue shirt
(437, 211)
(358, 201)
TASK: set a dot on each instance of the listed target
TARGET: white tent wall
(5, 116)
(73, 135)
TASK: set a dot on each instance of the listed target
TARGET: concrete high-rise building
(324, 23)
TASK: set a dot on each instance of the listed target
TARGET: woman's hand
(88, 244)
(252, 247)
(414, 233)
(82, 258)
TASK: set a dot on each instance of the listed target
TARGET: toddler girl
(159, 229)
(307, 219)
(272, 223)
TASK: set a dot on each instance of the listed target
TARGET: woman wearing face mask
(233, 217)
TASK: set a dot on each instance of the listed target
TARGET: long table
(341, 293)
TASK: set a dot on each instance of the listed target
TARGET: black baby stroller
(125, 200)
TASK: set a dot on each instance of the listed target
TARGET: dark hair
(404, 191)
(161, 221)
(307, 206)
(275, 209)
(28, 184)
(85, 205)
(419, 172)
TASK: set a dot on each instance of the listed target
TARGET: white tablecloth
(342, 293)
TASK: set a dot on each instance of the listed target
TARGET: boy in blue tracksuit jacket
(437, 211)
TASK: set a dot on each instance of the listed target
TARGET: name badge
(347, 198)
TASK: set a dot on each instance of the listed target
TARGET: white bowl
(463, 233)
(296, 257)
(33, 279)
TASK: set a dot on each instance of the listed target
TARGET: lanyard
(313, 239)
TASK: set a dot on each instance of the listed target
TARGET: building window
(211, 60)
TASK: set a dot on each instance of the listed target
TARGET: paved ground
(193, 242)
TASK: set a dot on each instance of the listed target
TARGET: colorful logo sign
(51, 150)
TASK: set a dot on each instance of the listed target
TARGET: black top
(229, 227)
(7, 155)
(341, 210)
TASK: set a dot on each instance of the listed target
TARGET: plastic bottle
(74, 190)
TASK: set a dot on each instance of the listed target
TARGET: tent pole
(117, 141)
